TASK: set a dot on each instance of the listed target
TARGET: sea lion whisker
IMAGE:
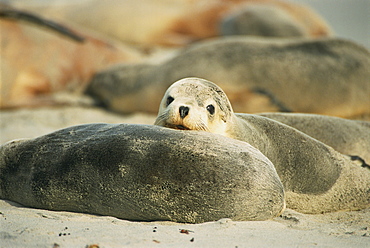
(161, 119)
(202, 126)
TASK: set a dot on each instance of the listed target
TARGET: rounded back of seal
(143, 173)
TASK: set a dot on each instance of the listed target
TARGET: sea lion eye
(169, 100)
(211, 109)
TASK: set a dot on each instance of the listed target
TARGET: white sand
(30, 123)
(26, 227)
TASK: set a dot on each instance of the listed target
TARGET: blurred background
(44, 73)
(349, 19)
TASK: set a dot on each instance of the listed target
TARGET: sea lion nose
(184, 111)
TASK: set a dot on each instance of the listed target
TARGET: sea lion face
(194, 104)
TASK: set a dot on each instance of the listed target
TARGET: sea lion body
(41, 58)
(142, 173)
(350, 137)
(322, 76)
(316, 177)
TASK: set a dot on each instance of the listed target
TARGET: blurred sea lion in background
(324, 76)
(267, 18)
(180, 22)
(42, 68)
(40, 57)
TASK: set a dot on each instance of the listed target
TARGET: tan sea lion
(41, 57)
(316, 178)
(180, 22)
(265, 18)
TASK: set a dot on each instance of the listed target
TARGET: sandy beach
(26, 227)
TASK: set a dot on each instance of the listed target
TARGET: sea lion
(41, 58)
(316, 178)
(350, 137)
(262, 20)
(142, 173)
(152, 23)
(323, 76)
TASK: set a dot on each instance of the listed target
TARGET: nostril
(184, 111)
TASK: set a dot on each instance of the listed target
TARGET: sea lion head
(195, 104)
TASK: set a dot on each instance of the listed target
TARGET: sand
(33, 122)
(27, 227)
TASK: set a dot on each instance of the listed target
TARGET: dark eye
(211, 109)
(169, 100)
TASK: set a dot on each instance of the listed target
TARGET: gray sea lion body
(316, 178)
(324, 76)
(144, 173)
(350, 137)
